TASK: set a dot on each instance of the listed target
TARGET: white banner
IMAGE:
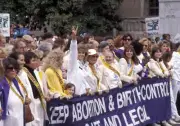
(152, 26)
(5, 24)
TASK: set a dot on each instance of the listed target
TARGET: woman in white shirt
(13, 99)
(76, 70)
(156, 66)
(129, 65)
(93, 77)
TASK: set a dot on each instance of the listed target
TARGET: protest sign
(5, 24)
(152, 26)
(146, 103)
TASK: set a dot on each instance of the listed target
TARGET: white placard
(5, 24)
(152, 26)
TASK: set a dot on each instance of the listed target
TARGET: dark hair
(28, 56)
(69, 85)
(47, 35)
(134, 57)
(138, 47)
(165, 57)
(10, 62)
(164, 36)
(15, 55)
(59, 42)
(127, 35)
(153, 51)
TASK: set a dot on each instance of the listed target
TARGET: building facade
(134, 12)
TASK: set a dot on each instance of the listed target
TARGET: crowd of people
(34, 72)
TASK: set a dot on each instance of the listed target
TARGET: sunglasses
(10, 68)
(95, 56)
(127, 39)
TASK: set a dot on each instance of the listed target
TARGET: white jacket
(176, 66)
(76, 71)
(109, 79)
(156, 70)
(125, 69)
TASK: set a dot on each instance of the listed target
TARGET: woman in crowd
(145, 53)
(13, 102)
(35, 88)
(76, 70)
(93, 77)
(129, 65)
(155, 65)
(175, 77)
(157, 68)
(52, 68)
(127, 40)
(164, 46)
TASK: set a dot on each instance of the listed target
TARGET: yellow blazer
(54, 84)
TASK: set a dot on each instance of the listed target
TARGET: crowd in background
(32, 71)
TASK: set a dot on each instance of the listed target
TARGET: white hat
(177, 38)
(92, 52)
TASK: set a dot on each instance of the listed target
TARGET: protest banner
(146, 103)
(5, 24)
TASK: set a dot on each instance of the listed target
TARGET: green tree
(94, 16)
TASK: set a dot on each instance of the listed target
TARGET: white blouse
(157, 69)
(125, 68)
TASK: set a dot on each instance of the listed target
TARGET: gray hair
(45, 48)
(102, 45)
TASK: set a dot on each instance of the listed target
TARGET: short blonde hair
(53, 59)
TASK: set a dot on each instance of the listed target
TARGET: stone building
(134, 12)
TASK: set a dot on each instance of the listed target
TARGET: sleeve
(53, 85)
(73, 59)
(123, 66)
(138, 68)
(123, 71)
(153, 67)
(166, 72)
(101, 71)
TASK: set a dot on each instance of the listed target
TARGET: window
(153, 7)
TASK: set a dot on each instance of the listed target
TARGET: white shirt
(15, 114)
(125, 68)
(76, 71)
(156, 70)
(109, 79)
(176, 66)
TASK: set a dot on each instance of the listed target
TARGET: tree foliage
(94, 16)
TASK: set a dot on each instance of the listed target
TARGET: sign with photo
(5, 24)
(152, 26)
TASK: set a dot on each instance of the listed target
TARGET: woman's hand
(74, 32)
(47, 98)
